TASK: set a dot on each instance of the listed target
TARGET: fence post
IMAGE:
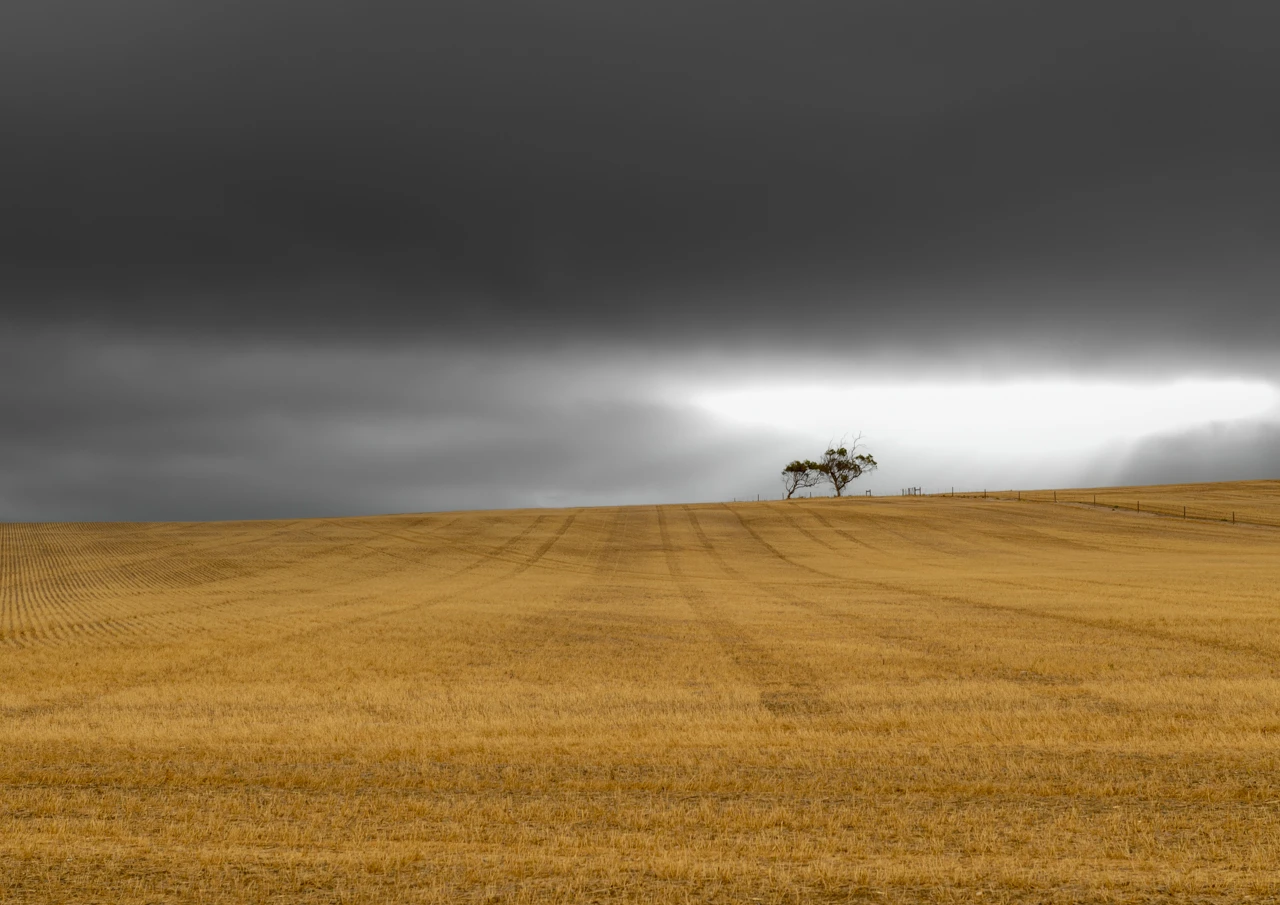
(1139, 505)
(1233, 518)
(1184, 513)
(1055, 496)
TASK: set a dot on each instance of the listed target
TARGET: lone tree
(842, 464)
(800, 474)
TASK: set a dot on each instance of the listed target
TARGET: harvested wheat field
(879, 700)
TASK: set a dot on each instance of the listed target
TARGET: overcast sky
(276, 258)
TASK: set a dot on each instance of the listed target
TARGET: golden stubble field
(879, 700)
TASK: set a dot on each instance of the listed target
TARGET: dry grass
(1254, 502)
(915, 700)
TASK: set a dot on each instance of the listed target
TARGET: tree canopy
(839, 466)
(798, 474)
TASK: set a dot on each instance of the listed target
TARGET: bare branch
(842, 464)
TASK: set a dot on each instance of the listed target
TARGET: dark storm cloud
(100, 428)
(659, 170)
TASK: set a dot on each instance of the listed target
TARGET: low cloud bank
(1230, 451)
(135, 431)
(103, 427)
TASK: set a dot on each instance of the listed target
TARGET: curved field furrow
(1266, 654)
(283, 626)
(579, 564)
(22, 568)
(774, 589)
(60, 589)
(10, 574)
(1109, 627)
(785, 687)
(154, 606)
(34, 600)
(612, 545)
(777, 553)
(191, 614)
(844, 610)
(812, 512)
(49, 605)
(544, 547)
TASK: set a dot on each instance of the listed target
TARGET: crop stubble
(902, 700)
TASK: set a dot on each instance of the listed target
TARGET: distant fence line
(1114, 500)
(1106, 499)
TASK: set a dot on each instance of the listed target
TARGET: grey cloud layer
(149, 430)
(1217, 452)
(671, 171)
(100, 427)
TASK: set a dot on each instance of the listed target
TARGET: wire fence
(1109, 499)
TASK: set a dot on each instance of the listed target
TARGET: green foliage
(800, 473)
(839, 466)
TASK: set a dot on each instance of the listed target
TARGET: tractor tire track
(784, 688)
(849, 536)
(910, 592)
